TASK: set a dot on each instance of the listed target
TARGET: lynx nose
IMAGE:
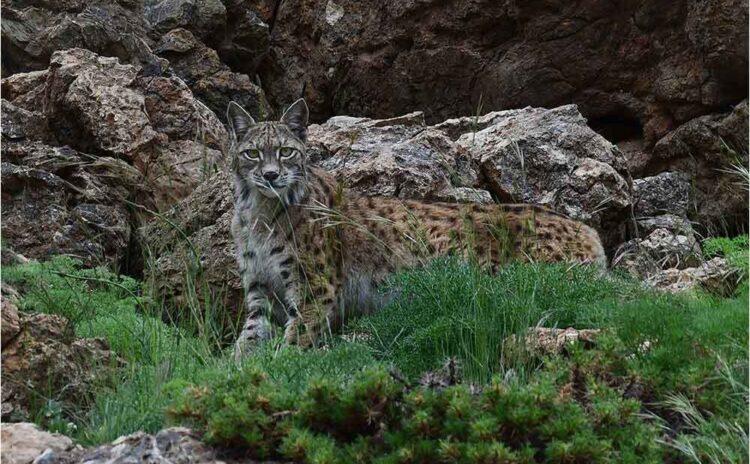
(271, 176)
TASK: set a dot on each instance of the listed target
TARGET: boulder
(675, 224)
(193, 248)
(44, 356)
(25, 443)
(210, 80)
(31, 33)
(59, 201)
(399, 157)
(106, 138)
(664, 193)
(202, 17)
(549, 157)
(661, 249)
(172, 445)
(17, 123)
(92, 104)
(247, 38)
(711, 150)
(714, 276)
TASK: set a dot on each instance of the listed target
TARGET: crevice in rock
(617, 127)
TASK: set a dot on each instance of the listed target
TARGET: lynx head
(269, 156)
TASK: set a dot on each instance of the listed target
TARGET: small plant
(375, 418)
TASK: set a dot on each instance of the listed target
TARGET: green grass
(691, 404)
(734, 250)
(100, 304)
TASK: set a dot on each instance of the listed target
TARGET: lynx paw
(298, 334)
(255, 331)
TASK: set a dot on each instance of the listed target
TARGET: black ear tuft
(296, 118)
(238, 121)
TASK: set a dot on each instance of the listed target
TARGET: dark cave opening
(617, 127)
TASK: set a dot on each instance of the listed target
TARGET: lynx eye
(287, 152)
(252, 154)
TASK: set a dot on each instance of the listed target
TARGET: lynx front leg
(313, 320)
(257, 327)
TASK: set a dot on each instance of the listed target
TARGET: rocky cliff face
(635, 68)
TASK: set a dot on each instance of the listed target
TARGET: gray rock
(25, 90)
(202, 17)
(17, 123)
(32, 34)
(92, 104)
(247, 38)
(200, 247)
(210, 80)
(451, 58)
(60, 201)
(714, 276)
(399, 157)
(660, 250)
(25, 443)
(552, 158)
(675, 224)
(708, 149)
(172, 445)
(665, 193)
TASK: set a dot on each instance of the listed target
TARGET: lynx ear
(238, 121)
(295, 117)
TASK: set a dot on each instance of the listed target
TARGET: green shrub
(374, 418)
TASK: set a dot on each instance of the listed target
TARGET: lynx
(311, 253)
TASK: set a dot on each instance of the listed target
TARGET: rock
(199, 249)
(210, 79)
(45, 357)
(451, 58)
(132, 139)
(707, 148)
(202, 17)
(400, 157)
(544, 341)
(25, 89)
(172, 445)
(92, 105)
(24, 443)
(17, 123)
(174, 168)
(665, 193)
(675, 224)
(31, 34)
(247, 38)
(714, 276)
(661, 249)
(10, 326)
(552, 158)
(174, 111)
(60, 201)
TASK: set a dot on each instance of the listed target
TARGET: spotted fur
(311, 253)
